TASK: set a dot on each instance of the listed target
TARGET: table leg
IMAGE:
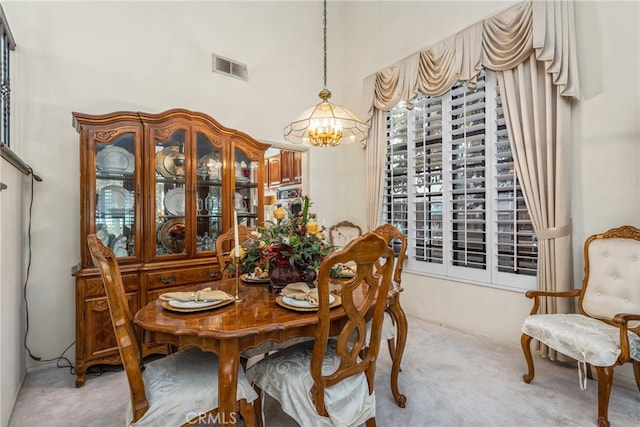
(228, 382)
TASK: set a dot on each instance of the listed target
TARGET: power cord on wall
(60, 358)
(94, 370)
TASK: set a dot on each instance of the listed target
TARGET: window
(7, 44)
(451, 187)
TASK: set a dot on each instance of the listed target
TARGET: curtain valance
(498, 43)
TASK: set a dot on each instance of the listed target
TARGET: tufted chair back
(612, 275)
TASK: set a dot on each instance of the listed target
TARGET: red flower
(177, 232)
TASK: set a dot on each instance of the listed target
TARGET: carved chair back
(225, 243)
(357, 353)
(391, 234)
(122, 320)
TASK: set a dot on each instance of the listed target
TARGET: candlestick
(236, 263)
(235, 233)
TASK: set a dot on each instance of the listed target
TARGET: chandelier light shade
(325, 124)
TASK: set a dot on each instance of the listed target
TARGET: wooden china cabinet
(157, 189)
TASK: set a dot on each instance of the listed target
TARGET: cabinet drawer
(93, 287)
(186, 276)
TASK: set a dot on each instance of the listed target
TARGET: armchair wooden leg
(400, 320)
(636, 373)
(248, 412)
(605, 382)
(525, 341)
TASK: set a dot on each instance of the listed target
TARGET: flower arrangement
(296, 241)
(177, 232)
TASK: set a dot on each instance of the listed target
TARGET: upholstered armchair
(605, 331)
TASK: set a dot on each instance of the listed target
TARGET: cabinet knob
(213, 275)
(168, 280)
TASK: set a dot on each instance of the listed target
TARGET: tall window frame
(7, 44)
(451, 187)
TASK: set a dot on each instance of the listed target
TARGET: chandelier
(325, 124)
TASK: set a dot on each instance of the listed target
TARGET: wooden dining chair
(330, 381)
(225, 243)
(396, 335)
(177, 390)
(343, 232)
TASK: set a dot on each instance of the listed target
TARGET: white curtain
(531, 46)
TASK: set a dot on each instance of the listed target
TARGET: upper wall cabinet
(283, 169)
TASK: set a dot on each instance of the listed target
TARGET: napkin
(348, 269)
(301, 291)
(206, 294)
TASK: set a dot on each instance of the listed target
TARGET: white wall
(98, 57)
(12, 230)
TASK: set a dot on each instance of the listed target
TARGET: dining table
(231, 329)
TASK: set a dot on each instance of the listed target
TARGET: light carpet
(450, 379)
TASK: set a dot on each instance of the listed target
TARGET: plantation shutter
(427, 179)
(395, 203)
(468, 190)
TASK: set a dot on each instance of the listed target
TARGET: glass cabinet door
(171, 228)
(245, 197)
(116, 194)
(209, 201)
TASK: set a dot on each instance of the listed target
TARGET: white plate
(254, 279)
(303, 303)
(114, 159)
(115, 197)
(192, 304)
(174, 201)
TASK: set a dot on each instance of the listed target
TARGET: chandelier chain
(324, 24)
(325, 124)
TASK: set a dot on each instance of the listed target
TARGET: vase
(178, 245)
(280, 275)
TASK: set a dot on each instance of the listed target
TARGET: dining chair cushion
(581, 337)
(269, 346)
(286, 376)
(388, 328)
(170, 385)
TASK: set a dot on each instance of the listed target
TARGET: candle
(235, 233)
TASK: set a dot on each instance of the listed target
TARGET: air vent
(230, 67)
